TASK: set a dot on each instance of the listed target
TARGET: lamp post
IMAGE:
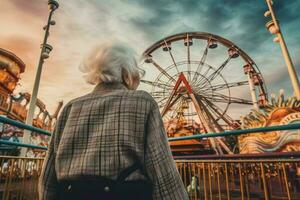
(274, 28)
(45, 51)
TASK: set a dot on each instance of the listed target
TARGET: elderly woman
(115, 132)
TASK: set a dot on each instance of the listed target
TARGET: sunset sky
(82, 23)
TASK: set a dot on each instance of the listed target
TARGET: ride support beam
(217, 128)
(178, 82)
(252, 91)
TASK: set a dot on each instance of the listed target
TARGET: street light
(274, 28)
(45, 51)
(53, 5)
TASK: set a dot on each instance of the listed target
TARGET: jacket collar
(107, 87)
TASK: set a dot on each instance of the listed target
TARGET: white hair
(107, 63)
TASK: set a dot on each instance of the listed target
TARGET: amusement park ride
(203, 83)
(198, 95)
(15, 106)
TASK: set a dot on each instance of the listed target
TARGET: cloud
(17, 43)
(280, 79)
(30, 7)
(81, 24)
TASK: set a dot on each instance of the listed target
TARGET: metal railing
(19, 177)
(255, 178)
(21, 125)
(239, 132)
(210, 177)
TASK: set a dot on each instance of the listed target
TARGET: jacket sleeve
(159, 163)
(47, 187)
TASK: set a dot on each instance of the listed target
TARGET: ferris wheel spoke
(161, 81)
(177, 102)
(173, 111)
(201, 63)
(217, 97)
(219, 112)
(201, 90)
(157, 96)
(240, 101)
(171, 55)
(161, 101)
(201, 87)
(160, 94)
(163, 71)
(188, 56)
(210, 118)
(170, 102)
(218, 71)
(212, 111)
(224, 86)
(205, 101)
(203, 77)
(155, 84)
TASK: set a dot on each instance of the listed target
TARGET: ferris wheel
(204, 78)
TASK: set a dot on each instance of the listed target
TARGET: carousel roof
(13, 57)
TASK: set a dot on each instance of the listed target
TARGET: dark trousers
(103, 190)
(85, 190)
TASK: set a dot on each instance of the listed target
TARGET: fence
(274, 176)
(19, 177)
(243, 178)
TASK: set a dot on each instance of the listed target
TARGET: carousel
(15, 106)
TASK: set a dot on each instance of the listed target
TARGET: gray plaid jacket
(102, 133)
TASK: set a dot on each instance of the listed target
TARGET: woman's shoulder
(141, 95)
(77, 99)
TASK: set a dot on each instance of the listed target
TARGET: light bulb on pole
(45, 51)
(274, 28)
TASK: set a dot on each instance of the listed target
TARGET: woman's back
(103, 134)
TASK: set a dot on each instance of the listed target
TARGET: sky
(80, 24)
